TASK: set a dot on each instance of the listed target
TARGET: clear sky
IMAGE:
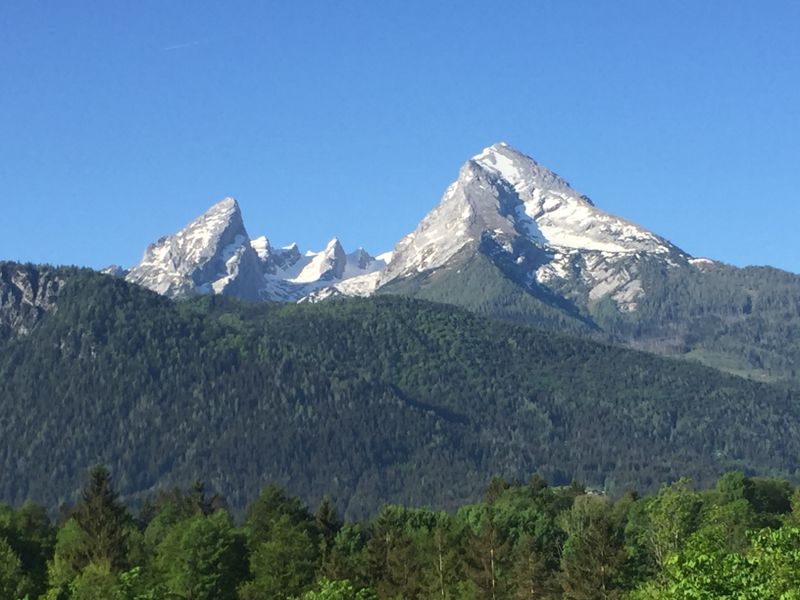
(121, 121)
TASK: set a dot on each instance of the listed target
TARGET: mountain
(215, 255)
(210, 255)
(536, 228)
(373, 400)
(512, 240)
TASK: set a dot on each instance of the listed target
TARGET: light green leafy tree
(64, 566)
(672, 515)
(95, 582)
(202, 558)
(283, 565)
(12, 579)
(339, 590)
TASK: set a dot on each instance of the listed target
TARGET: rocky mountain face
(211, 255)
(27, 293)
(215, 255)
(535, 228)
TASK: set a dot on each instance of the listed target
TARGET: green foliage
(12, 579)
(744, 321)
(202, 558)
(592, 554)
(348, 555)
(368, 400)
(284, 543)
(95, 582)
(30, 538)
(69, 555)
(327, 525)
(284, 564)
(672, 515)
(104, 522)
(338, 590)
(527, 541)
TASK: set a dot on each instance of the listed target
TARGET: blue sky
(121, 121)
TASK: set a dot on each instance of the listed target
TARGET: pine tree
(592, 554)
(395, 565)
(485, 554)
(531, 578)
(103, 519)
(328, 525)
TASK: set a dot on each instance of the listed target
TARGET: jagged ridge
(214, 254)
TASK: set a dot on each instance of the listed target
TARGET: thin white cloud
(184, 45)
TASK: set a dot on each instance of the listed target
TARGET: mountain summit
(534, 226)
(210, 255)
(555, 214)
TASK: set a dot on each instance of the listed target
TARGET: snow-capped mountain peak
(214, 254)
(210, 254)
(519, 170)
(507, 200)
(327, 265)
(262, 247)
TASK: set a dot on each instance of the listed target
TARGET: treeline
(738, 540)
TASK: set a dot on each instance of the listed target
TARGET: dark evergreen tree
(486, 554)
(328, 525)
(104, 520)
(592, 555)
(530, 576)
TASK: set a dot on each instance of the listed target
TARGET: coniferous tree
(200, 502)
(283, 544)
(284, 565)
(443, 564)
(328, 525)
(104, 521)
(485, 555)
(530, 577)
(592, 554)
(348, 556)
(395, 562)
(379, 546)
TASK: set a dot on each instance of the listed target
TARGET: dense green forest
(371, 401)
(738, 540)
(743, 321)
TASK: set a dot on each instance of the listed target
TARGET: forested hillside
(737, 540)
(369, 400)
(742, 321)
(745, 321)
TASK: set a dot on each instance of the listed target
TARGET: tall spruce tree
(486, 554)
(328, 525)
(104, 520)
(592, 554)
